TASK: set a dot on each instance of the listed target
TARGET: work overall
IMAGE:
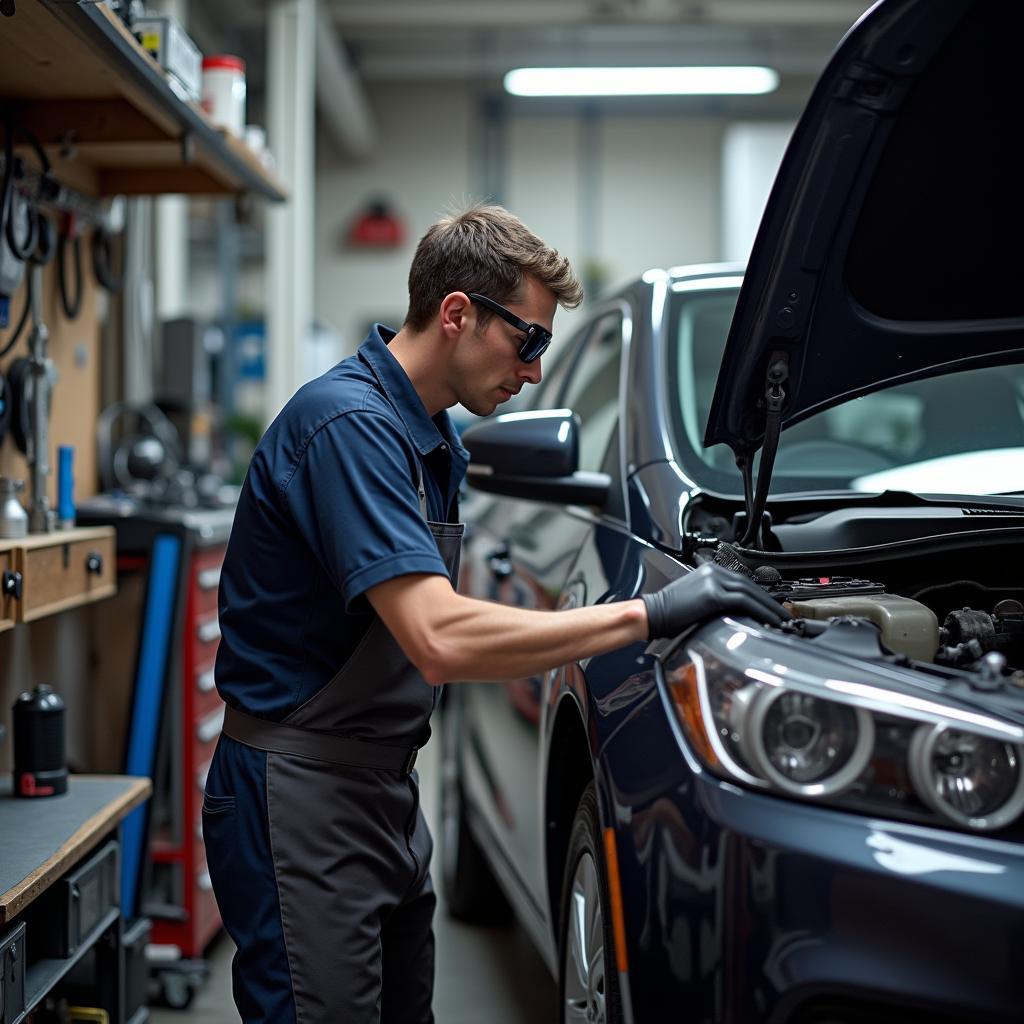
(348, 842)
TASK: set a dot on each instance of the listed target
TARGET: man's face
(486, 368)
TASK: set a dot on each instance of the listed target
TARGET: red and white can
(224, 92)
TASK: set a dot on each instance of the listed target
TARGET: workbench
(60, 894)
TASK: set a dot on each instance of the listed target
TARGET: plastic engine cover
(907, 626)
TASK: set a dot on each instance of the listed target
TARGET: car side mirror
(533, 455)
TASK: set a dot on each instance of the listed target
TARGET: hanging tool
(12, 269)
(103, 260)
(71, 301)
(31, 380)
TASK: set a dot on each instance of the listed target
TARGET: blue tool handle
(66, 484)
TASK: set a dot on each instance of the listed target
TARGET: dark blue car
(821, 822)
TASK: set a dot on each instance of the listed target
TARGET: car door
(520, 553)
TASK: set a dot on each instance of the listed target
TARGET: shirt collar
(426, 433)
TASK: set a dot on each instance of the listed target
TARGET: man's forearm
(478, 640)
(451, 637)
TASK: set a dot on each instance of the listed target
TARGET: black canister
(39, 768)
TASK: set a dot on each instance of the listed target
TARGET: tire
(176, 990)
(470, 890)
(588, 983)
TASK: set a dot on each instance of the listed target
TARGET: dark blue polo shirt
(328, 509)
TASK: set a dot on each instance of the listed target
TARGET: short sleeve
(353, 497)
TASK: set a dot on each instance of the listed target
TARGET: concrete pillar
(291, 59)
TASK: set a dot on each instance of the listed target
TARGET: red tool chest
(178, 854)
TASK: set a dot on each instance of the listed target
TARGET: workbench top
(41, 838)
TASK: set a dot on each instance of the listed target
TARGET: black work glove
(704, 594)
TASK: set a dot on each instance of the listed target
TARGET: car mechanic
(340, 621)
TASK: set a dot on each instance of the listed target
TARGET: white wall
(659, 193)
(751, 154)
(422, 166)
(616, 194)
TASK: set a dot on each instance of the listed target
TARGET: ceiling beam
(464, 14)
(398, 57)
(341, 101)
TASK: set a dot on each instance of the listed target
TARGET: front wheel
(588, 983)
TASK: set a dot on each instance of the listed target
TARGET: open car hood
(890, 248)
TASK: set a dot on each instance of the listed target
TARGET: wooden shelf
(74, 72)
(59, 571)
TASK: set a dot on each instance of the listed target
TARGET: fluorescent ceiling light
(673, 81)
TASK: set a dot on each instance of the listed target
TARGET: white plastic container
(224, 92)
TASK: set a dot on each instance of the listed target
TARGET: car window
(866, 442)
(556, 367)
(592, 390)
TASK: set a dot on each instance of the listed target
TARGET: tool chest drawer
(206, 581)
(205, 695)
(69, 910)
(12, 974)
(205, 638)
(63, 570)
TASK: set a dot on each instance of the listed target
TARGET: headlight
(975, 780)
(804, 745)
(856, 746)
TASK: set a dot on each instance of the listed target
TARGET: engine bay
(966, 624)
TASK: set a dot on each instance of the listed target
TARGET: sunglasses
(537, 338)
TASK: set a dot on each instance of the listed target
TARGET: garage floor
(491, 974)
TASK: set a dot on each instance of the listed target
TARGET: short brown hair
(488, 250)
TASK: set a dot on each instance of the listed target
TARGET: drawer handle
(205, 681)
(209, 728)
(209, 630)
(209, 578)
(13, 584)
(94, 563)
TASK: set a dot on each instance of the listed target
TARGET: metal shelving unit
(82, 84)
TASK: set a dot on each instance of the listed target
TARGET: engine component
(969, 624)
(767, 576)
(907, 626)
(806, 588)
(969, 633)
(728, 557)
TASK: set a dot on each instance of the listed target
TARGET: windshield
(961, 433)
